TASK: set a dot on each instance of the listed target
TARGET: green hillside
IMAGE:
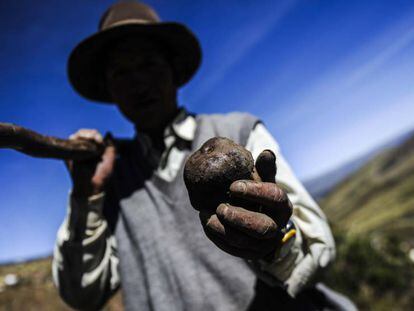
(379, 198)
(372, 214)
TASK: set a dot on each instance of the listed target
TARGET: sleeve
(313, 247)
(85, 262)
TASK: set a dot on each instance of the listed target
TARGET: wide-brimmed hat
(86, 64)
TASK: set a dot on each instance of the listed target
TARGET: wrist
(80, 195)
(287, 239)
(83, 192)
(85, 215)
(286, 243)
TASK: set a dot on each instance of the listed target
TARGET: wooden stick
(37, 145)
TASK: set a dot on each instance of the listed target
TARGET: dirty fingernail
(239, 186)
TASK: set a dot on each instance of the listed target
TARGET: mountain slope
(321, 185)
(372, 216)
(377, 198)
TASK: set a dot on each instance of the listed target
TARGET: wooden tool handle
(37, 145)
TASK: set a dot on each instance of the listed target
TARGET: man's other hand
(89, 176)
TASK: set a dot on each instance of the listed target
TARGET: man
(130, 221)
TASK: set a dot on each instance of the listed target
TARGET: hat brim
(86, 63)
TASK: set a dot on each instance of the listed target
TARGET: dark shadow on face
(140, 80)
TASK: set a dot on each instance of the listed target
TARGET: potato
(209, 172)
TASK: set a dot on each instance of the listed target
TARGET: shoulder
(260, 139)
(235, 117)
(234, 125)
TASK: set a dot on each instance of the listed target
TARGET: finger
(236, 242)
(78, 134)
(259, 192)
(243, 253)
(87, 134)
(257, 225)
(266, 166)
(235, 237)
(274, 201)
(105, 166)
(235, 251)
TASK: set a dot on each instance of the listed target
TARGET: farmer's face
(140, 81)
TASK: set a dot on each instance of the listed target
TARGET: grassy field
(35, 290)
(378, 198)
(372, 215)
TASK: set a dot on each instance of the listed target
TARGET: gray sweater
(156, 243)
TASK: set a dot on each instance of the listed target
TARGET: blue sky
(330, 79)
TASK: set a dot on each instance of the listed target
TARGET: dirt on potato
(209, 172)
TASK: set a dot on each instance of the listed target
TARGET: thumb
(266, 166)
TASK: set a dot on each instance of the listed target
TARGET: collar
(183, 126)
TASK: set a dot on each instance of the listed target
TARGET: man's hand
(89, 176)
(249, 226)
